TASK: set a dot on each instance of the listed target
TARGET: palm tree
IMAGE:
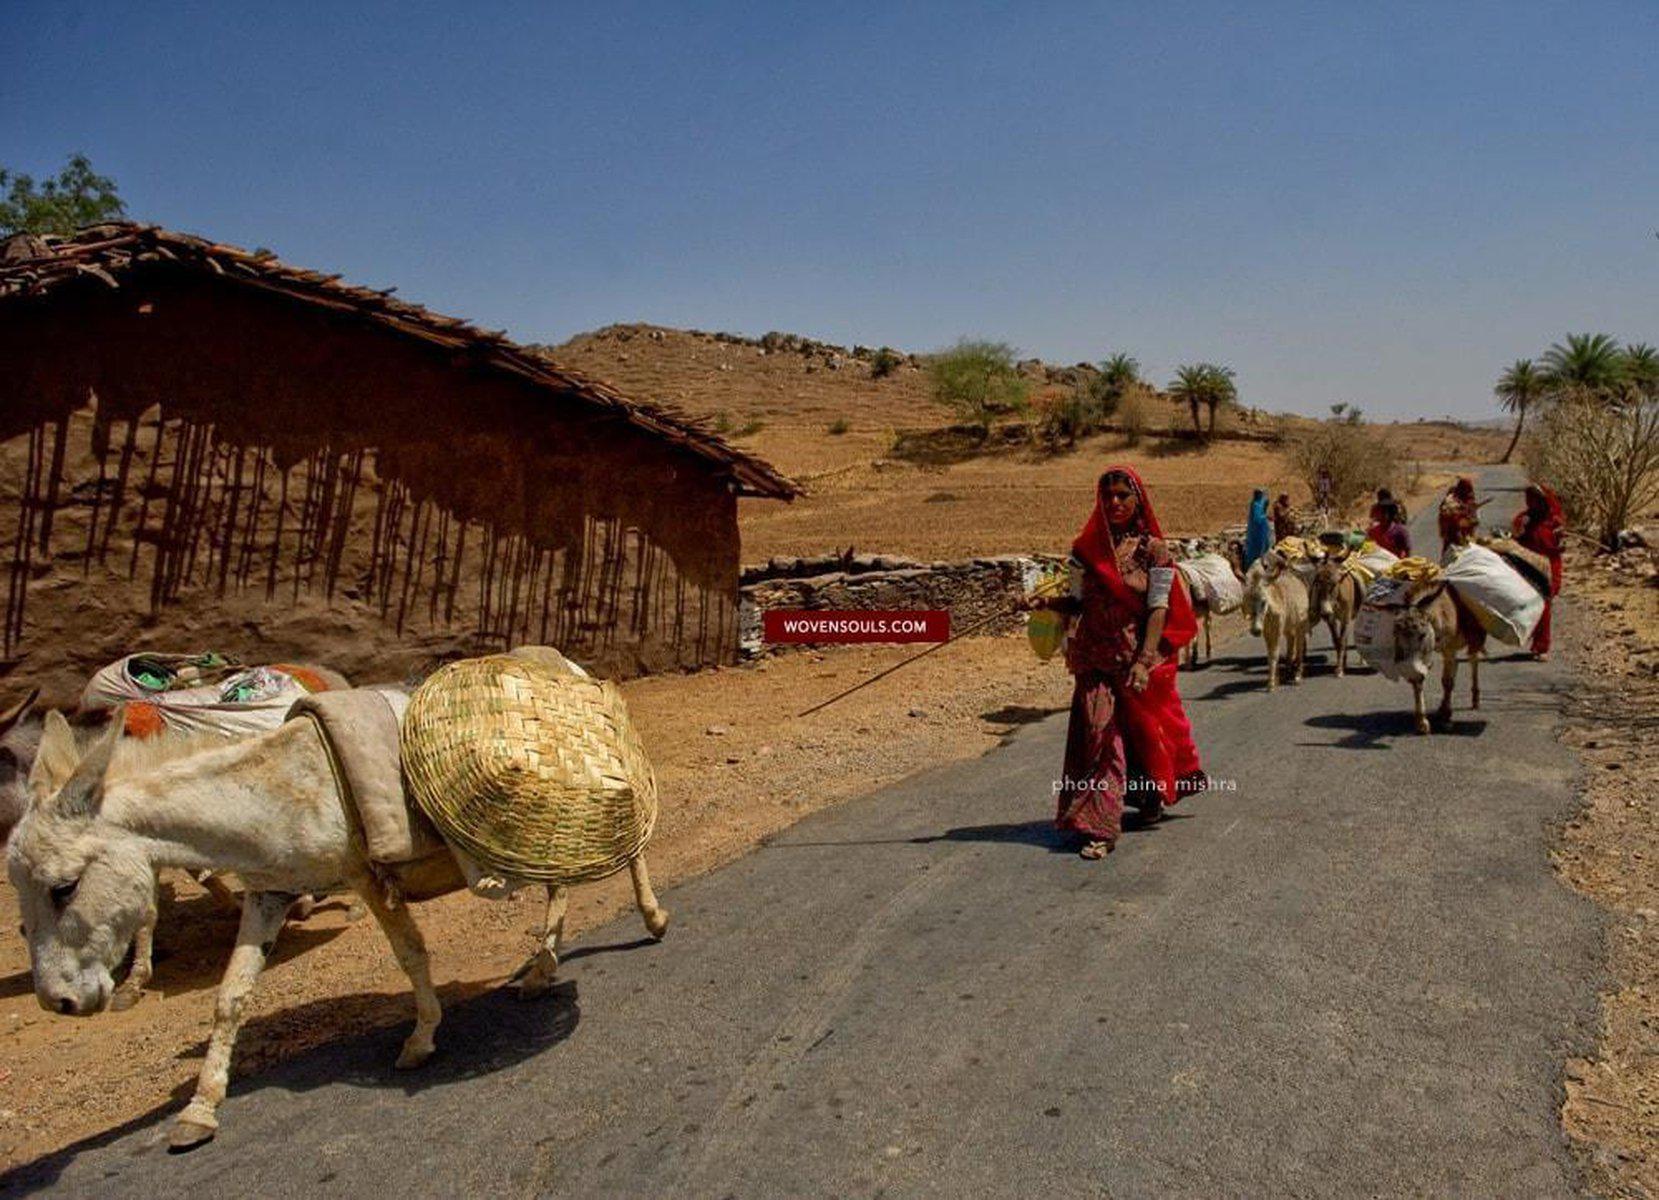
(1203, 385)
(1589, 363)
(1641, 368)
(1118, 374)
(1518, 389)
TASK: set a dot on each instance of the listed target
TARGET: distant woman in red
(1131, 616)
(1538, 527)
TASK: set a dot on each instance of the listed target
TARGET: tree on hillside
(978, 380)
(1118, 373)
(1586, 364)
(1518, 389)
(75, 197)
(1203, 385)
(1641, 369)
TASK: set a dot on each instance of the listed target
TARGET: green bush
(979, 382)
(885, 362)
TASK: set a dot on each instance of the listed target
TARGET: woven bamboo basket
(537, 774)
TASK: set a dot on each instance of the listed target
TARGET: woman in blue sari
(1258, 533)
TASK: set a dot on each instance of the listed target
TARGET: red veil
(1098, 551)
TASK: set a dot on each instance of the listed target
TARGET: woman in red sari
(1538, 527)
(1131, 616)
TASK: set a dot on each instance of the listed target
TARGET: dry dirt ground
(1610, 852)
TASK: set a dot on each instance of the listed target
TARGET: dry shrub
(1359, 460)
(1137, 412)
(1601, 458)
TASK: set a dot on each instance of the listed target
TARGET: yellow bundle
(1296, 548)
(1046, 630)
(1415, 570)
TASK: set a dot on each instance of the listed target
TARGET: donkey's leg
(1448, 678)
(535, 977)
(1474, 679)
(262, 916)
(131, 990)
(215, 886)
(1209, 652)
(410, 950)
(656, 916)
(1417, 705)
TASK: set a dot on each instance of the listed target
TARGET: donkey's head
(1258, 581)
(1327, 578)
(1415, 637)
(84, 884)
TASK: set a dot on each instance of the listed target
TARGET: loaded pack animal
(21, 729)
(1432, 622)
(1206, 579)
(1335, 598)
(102, 822)
(1276, 600)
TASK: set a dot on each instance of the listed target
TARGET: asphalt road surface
(1349, 972)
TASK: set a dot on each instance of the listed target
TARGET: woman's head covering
(1540, 496)
(1097, 550)
(1259, 494)
(1464, 488)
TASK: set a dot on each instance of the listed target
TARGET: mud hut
(206, 448)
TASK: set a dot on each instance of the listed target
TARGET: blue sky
(1381, 204)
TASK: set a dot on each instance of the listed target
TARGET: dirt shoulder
(1610, 852)
(734, 764)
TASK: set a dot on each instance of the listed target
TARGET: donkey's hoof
(356, 911)
(656, 924)
(536, 977)
(413, 1056)
(125, 998)
(187, 1135)
(1423, 726)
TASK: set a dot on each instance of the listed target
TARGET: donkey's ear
(55, 760)
(1428, 597)
(14, 714)
(84, 792)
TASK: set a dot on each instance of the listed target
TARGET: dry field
(1012, 499)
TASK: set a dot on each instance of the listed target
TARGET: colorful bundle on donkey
(530, 767)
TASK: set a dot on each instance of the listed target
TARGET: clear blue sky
(1383, 204)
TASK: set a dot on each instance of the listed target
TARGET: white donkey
(99, 825)
(1276, 600)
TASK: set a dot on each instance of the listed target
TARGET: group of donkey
(92, 817)
(1285, 598)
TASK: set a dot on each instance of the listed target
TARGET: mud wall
(187, 464)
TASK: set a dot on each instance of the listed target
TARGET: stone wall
(971, 590)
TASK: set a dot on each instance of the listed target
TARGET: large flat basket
(536, 774)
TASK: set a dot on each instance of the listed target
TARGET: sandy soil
(1610, 852)
(734, 765)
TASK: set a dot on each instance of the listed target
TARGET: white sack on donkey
(1507, 606)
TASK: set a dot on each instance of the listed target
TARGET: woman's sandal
(1094, 850)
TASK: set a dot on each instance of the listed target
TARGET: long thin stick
(961, 633)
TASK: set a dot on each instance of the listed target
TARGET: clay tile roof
(31, 265)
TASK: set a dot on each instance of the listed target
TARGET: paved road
(1354, 975)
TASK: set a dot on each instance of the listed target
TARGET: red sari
(1121, 741)
(1538, 527)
